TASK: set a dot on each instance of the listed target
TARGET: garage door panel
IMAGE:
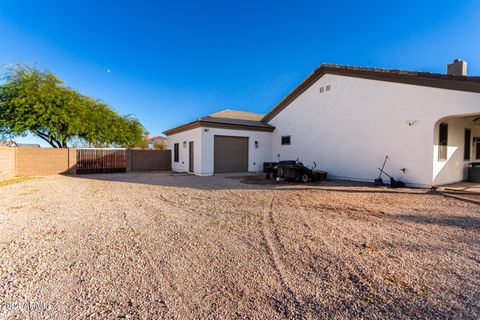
(230, 154)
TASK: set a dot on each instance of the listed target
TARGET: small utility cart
(293, 170)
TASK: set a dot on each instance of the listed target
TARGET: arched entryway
(456, 147)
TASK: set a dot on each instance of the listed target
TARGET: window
(286, 140)
(175, 152)
(326, 88)
(442, 141)
(477, 148)
(466, 148)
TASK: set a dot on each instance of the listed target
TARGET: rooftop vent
(457, 68)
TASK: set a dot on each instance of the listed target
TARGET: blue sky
(174, 61)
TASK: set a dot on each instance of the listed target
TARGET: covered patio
(456, 151)
(465, 191)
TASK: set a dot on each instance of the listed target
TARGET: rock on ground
(159, 246)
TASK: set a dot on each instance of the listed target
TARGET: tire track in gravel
(272, 241)
(171, 212)
(151, 262)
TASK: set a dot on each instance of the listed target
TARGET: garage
(230, 154)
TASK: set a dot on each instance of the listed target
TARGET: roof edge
(205, 123)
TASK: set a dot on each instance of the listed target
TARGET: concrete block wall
(148, 160)
(7, 162)
(44, 161)
(48, 161)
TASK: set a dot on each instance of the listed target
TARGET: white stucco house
(347, 119)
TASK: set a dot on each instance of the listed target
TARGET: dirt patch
(162, 246)
(7, 182)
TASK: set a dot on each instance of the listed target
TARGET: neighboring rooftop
(154, 139)
(4, 143)
(157, 138)
(28, 145)
(13, 144)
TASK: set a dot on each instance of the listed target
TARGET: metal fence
(91, 161)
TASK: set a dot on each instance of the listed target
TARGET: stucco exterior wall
(350, 129)
(256, 156)
(204, 146)
(194, 135)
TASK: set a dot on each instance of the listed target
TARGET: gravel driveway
(149, 246)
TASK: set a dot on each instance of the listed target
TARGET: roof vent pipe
(457, 68)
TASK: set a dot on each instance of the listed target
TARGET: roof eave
(181, 128)
(208, 124)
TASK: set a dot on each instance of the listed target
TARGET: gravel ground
(149, 246)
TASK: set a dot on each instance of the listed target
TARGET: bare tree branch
(44, 137)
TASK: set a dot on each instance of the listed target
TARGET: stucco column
(72, 161)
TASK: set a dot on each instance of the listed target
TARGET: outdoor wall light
(256, 144)
(206, 130)
(184, 144)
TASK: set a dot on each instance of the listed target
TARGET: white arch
(453, 169)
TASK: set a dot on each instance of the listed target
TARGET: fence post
(72, 161)
(128, 153)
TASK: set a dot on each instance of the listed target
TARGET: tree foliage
(38, 102)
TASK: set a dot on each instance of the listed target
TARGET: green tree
(38, 102)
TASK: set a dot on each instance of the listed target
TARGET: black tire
(304, 178)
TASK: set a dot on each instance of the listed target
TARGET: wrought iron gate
(91, 161)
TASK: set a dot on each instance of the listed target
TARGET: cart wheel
(304, 178)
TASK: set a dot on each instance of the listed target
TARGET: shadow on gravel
(167, 179)
(377, 191)
(346, 186)
(464, 222)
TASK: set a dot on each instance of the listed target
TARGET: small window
(327, 88)
(442, 141)
(175, 152)
(466, 148)
(286, 140)
(322, 89)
